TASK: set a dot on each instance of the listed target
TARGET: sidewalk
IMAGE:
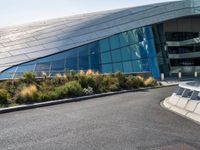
(176, 81)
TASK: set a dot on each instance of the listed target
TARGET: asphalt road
(121, 122)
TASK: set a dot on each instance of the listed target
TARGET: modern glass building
(151, 39)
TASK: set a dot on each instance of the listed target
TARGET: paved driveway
(120, 122)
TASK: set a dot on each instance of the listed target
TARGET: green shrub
(44, 97)
(59, 80)
(99, 85)
(4, 97)
(74, 88)
(71, 75)
(150, 82)
(135, 81)
(61, 91)
(122, 80)
(28, 94)
(48, 96)
(110, 83)
(11, 86)
(129, 82)
(71, 89)
(28, 78)
(86, 81)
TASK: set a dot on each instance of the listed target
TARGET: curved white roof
(28, 42)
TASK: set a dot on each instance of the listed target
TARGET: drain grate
(179, 146)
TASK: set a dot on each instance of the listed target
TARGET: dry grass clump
(28, 91)
(28, 94)
(150, 82)
(81, 72)
(90, 72)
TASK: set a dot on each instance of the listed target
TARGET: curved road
(120, 122)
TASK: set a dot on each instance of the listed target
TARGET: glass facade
(132, 51)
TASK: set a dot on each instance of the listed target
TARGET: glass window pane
(94, 59)
(151, 48)
(126, 53)
(143, 50)
(71, 54)
(148, 32)
(8, 73)
(25, 68)
(71, 59)
(104, 45)
(137, 65)
(145, 65)
(42, 68)
(116, 55)
(187, 93)
(22, 69)
(107, 68)
(58, 56)
(127, 67)
(117, 67)
(140, 34)
(44, 60)
(84, 62)
(106, 57)
(84, 67)
(124, 40)
(71, 64)
(93, 52)
(57, 67)
(93, 48)
(114, 42)
(195, 95)
(83, 51)
(180, 91)
(133, 37)
(135, 52)
(95, 67)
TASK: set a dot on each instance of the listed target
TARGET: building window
(114, 42)
(57, 67)
(42, 68)
(116, 55)
(104, 45)
(124, 39)
(135, 52)
(106, 57)
(93, 53)
(127, 67)
(137, 65)
(126, 53)
(117, 67)
(22, 69)
(9, 73)
(107, 68)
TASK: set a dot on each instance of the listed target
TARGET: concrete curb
(190, 110)
(76, 99)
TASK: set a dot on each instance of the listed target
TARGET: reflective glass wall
(129, 52)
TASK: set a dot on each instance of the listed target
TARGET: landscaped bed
(28, 89)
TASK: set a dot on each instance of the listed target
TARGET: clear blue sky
(13, 12)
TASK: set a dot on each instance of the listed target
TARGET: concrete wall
(183, 106)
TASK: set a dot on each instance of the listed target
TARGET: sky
(15, 12)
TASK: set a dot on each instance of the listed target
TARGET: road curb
(76, 99)
(178, 111)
